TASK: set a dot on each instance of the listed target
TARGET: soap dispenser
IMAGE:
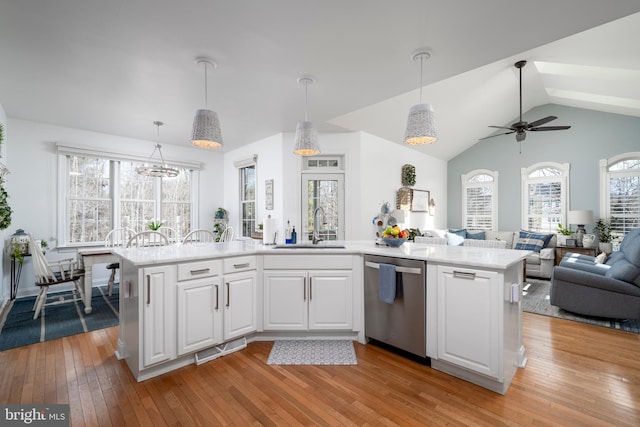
(287, 234)
(294, 236)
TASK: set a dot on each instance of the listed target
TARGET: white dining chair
(148, 238)
(51, 273)
(116, 237)
(226, 235)
(171, 233)
(199, 236)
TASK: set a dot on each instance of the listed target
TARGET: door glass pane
(323, 193)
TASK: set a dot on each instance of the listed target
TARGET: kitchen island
(185, 303)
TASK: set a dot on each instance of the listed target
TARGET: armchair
(582, 285)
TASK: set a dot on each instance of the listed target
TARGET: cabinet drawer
(241, 263)
(307, 262)
(195, 270)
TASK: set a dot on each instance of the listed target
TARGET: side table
(562, 250)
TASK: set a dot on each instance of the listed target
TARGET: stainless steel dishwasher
(403, 323)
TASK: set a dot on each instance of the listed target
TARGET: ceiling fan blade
(541, 121)
(506, 133)
(544, 128)
(503, 127)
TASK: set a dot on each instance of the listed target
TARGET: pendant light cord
(306, 99)
(421, 64)
(206, 88)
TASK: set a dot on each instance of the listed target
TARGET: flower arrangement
(155, 224)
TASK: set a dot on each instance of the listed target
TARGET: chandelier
(151, 168)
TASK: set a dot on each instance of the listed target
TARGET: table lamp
(580, 218)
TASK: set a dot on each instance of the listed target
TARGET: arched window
(544, 196)
(480, 200)
(620, 191)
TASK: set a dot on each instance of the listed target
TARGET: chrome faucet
(316, 226)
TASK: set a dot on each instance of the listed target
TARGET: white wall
(381, 177)
(32, 184)
(269, 166)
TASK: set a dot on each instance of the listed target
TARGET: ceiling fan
(520, 128)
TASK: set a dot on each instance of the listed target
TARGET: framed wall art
(268, 194)
(420, 201)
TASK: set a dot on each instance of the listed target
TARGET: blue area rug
(536, 300)
(57, 321)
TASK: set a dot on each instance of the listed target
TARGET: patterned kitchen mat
(312, 352)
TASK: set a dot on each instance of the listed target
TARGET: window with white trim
(620, 176)
(480, 200)
(98, 193)
(247, 199)
(544, 196)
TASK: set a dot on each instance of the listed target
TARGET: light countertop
(458, 255)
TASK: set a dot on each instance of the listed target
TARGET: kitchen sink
(310, 246)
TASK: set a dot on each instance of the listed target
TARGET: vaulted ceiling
(115, 67)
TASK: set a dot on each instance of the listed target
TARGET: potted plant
(603, 229)
(563, 233)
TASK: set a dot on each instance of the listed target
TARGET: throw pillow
(454, 239)
(529, 241)
(601, 258)
(476, 236)
(462, 232)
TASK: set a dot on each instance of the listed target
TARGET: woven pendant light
(420, 124)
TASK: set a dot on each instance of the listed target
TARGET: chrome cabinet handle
(201, 271)
(409, 270)
(228, 294)
(304, 289)
(310, 288)
(217, 298)
(243, 265)
(148, 289)
(464, 275)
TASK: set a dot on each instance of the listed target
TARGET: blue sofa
(612, 289)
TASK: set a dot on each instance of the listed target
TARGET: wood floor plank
(576, 375)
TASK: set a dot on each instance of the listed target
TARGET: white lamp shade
(306, 140)
(420, 126)
(206, 130)
(580, 217)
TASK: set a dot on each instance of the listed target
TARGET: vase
(606, 247)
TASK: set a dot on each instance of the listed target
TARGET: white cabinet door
(285, 300)
(330, 300)
(469, 319)
(159, 314)
(199, 314)
(297, 300)
(240, 301)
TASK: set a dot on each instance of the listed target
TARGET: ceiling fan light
(306, 140)
(206, 130)
(420, 126)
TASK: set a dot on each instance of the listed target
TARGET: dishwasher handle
(399, 269)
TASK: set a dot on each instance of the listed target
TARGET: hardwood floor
(577, 374)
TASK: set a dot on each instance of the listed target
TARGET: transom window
(480, 200)
(98, 194)
(621, 195)
(544, 196)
